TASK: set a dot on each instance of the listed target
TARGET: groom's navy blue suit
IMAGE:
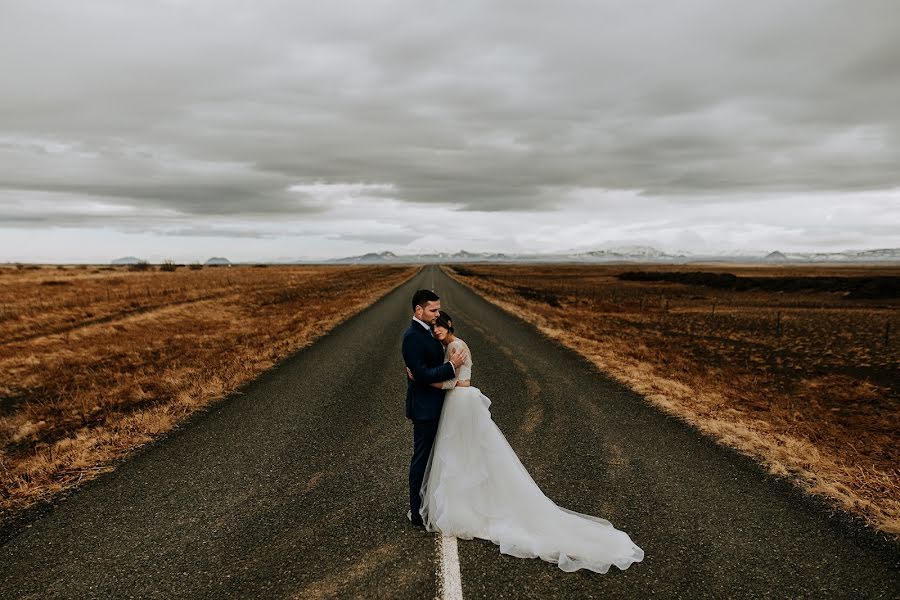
(424, 355)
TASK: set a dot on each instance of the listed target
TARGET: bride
(475, 486)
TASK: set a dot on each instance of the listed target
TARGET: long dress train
(475, 486)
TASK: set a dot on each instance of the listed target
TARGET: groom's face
(429, 313)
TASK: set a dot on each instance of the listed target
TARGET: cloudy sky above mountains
(267, 130)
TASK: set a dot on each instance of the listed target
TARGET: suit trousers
(424, 433)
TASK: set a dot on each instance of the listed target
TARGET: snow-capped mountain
(615, 254)
(370, 258)
(627, 254)
(877, 255)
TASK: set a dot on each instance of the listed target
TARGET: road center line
(449, 579)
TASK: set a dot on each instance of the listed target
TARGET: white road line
(449, 580)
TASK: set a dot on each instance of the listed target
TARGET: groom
(424, 357)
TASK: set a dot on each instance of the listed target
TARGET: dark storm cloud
(218, 108)
(197, 198)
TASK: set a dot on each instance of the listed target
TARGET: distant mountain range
(132, 260)
(644, 254)
(636, 254)
(879, 255)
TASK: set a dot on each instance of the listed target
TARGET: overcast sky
(268, 130)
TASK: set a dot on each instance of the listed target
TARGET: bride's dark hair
(445, 321)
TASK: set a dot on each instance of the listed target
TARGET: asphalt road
(296, 487)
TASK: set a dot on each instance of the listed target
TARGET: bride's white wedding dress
(475, 486)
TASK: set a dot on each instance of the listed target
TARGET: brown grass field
(796, 366)
(95, 361)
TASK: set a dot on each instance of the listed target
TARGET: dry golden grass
(805, 381)
(95, 361)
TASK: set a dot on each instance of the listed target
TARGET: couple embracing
(464, 478)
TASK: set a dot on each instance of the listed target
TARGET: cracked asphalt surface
(296, 487)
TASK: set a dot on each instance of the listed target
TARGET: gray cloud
(392, 239)
(215, 109)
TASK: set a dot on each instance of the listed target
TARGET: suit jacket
(424, 356)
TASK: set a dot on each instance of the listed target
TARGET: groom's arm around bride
(424, 356)
(424, 374)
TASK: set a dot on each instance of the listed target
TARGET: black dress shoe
(416, 520)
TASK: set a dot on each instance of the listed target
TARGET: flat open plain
(97, 360)
(296, 487)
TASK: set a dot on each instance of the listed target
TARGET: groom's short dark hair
(423, 297)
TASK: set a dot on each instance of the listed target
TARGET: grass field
(95, 361)
(797, 366)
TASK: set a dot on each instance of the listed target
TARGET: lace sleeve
(465, 370)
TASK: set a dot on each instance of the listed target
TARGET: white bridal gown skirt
(475, 486)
